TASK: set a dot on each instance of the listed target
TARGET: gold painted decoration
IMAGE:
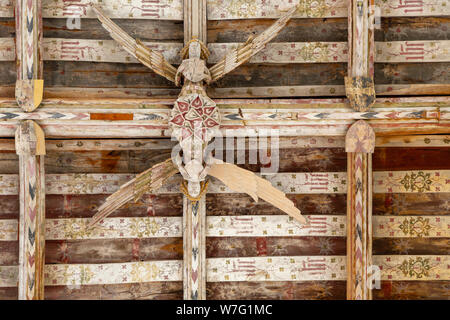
(360, 91)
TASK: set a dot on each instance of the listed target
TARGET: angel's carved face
(194, 188)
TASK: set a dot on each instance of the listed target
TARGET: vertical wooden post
(359, 144)
(30, 146)
(29, 85)
(194, 20)
(194, 254)
(359, 84)
(194, 212)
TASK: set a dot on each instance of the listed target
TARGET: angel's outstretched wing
(150, 58)
(147, 181)
(234, 58)
(241, 180)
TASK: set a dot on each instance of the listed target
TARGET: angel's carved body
(195, 117)
(195, 121)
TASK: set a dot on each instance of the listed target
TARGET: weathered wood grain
(401, 158)
(411, 246)
(102, 74)
(411, 204)
(410, 73)
(136, 161)
(134, 291)
(7, 49)
(412, 290)
(240, 204)
(7, 29)
(410, 29)
(276, 290)
(297, 30)
(112, 250)
(145, 30)
(224, 247)
(85, 206)
(413, 141)
(9, 253)
(8, 293)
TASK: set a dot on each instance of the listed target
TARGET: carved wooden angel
(194, 121)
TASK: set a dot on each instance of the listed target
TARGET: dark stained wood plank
(129, 291)
(9, 207)
(9, 253)
(261, 75)
(7, 73)
(299, 160)
(419, 246)
(145, 30)
(413, 28)
(218, 247)
(297, 30)
(408, 73)
(287, 290)
(85, 206)
(411, 204)
(387, 159)
(112, 250)
(105, 161)
(412, 290)
(136, 161)
(241, 204)
(9, 162)
(88, 74)
(9, 293)
(7, 28)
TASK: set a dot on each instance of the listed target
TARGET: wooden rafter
(30, 146)
(29, 84)
(359, 145)
(194, 212)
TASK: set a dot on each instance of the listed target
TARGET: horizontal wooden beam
(284, 143)
(173, 10)
(241, 117)
(134, 9)
(291, 268)
(61, 93)
(284, 52)
(411, 181)
(235, 226)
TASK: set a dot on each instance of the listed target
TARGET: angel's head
(195, 49)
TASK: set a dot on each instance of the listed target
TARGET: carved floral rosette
(194, 116)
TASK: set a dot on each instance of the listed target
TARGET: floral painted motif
(416, 226)
(415, 268)
(417, 181)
